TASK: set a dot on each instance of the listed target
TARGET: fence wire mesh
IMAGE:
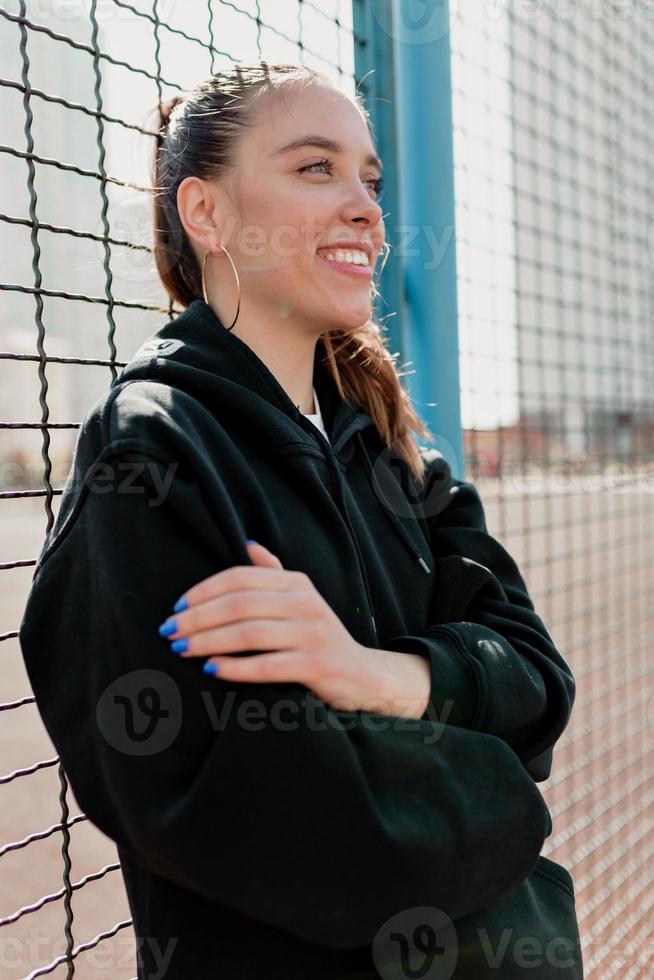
(79, 295)
(555, 245)
(553, 122)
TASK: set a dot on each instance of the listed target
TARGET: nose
(362, 207)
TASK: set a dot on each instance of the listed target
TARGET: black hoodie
(261, 832)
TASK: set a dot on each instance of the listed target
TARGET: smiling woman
(286, 668)
(239, 168)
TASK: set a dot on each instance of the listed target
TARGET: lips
(363, 271)
(348, 245)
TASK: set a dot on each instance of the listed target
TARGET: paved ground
(586, 557)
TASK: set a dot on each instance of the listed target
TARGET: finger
(239, 605)
(241, 577)
(284, 666)
(253, 634)
(261, 556)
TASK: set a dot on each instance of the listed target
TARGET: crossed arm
(494, 666)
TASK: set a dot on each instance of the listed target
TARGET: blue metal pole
(427, 251)
(374, 71)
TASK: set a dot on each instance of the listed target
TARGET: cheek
(285, 226)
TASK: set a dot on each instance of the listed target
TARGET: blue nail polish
(170, 626)
(179, 646)
(209, 668)
(251, 541)
(181, 604)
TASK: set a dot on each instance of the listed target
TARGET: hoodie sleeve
(259, 796)
(494, 666)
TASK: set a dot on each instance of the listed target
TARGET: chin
(352, 318)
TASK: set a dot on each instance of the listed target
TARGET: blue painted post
(427, 250)
(374, 71)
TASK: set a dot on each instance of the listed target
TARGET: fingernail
(210, 668)
(180, 604)
(250, 541)
(168, 627)
(179, 646)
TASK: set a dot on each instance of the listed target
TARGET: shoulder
(439, 484)
(442, 492)
(145, 407)
(140, 414)
(137, 432)
(436, 466)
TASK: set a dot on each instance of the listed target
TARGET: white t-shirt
(316, 417)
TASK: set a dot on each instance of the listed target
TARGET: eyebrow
(326, 144)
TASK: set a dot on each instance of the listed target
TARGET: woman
(285, 666)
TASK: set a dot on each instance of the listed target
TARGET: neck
(288, 354)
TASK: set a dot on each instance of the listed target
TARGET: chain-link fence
(553, 125)
(552, 109)
(79, 295)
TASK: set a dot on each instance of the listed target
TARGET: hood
(195, 353)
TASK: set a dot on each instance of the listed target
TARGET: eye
(377, 182)
(378, 187)
(318, 163)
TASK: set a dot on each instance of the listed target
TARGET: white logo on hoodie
(158, 348)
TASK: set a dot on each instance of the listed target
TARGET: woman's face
(285, 214)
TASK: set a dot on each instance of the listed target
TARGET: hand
(265, 607)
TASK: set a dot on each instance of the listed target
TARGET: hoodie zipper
(314, 431)
(417, 554)
(404, 535)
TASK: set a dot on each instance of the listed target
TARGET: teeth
(356, 256)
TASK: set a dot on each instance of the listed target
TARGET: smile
(350, 267)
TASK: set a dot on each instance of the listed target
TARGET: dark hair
(199, 136)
